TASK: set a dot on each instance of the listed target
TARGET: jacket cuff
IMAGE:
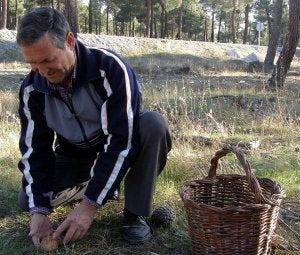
(39, 210)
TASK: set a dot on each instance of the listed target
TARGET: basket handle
(252, 180)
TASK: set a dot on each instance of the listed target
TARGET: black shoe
(135, 230)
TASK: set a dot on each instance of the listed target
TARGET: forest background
(222, 21)
(205, 20)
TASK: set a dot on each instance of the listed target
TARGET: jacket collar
(87, 69)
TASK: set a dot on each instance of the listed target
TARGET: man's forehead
(39, 52)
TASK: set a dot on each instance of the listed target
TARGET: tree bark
(3, 24)
(288, 51)
(247, 11)
(91, 16)
(16, 14)
(274, 35)
(107, 19)
(72, 15)
(205, 34)
(233, 31)
(212, 35)
(178, 36)
(151, 20)
(148, 19)
(220, 23)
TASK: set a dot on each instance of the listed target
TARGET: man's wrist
(89, 202)
(39, 210)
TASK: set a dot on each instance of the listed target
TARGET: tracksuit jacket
(101, 119)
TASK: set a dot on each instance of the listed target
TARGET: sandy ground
(134, 45)
(128, 46)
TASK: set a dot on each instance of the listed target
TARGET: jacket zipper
(70, 106)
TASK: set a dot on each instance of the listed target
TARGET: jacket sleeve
(36, 140)
(119, 119)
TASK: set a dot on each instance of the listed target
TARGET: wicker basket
(231, 214)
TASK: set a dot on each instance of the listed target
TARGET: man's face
(53, 63)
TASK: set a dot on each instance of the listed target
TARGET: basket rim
(228, 176)
(275, 198)
(234, 209)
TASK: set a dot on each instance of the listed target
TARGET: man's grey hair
(40, 21)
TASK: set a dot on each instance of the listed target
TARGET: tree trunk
(178, 36)
(274, 36)
(3, 24)
(107, 18)
(72, 15)
(9, 23)
(133, 29)
(130, 23)
(205, 36)
(91, 16)
(16, 14)
(155, 28)
(148, 19)
(162, 22)
(115, 22)
(247, 11)
(233, 22)
(288, 51)
(151, 20)
(166, 32)
(220, 24)
(100, 18)
(212, 35)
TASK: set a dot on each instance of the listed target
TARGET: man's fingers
(57, 233)
(36, 240)
(82, 234)
(75, 232)
(71, 235)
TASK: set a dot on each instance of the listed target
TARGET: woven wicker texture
(231, 214)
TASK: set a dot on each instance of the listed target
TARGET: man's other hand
(77, 223)
(40, 226)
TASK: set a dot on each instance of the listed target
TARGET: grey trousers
(140, 181)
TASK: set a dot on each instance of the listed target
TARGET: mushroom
(48, 243)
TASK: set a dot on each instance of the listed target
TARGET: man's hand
(40, 226)
(77, 222)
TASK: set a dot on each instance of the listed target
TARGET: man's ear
(70, 40)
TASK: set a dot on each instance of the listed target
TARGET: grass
(205, 108)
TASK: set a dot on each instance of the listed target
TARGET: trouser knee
(154, 129)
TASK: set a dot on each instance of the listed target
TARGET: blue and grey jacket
(103, 115)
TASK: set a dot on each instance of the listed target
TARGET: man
(83, 129)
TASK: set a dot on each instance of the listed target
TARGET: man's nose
(39, 69)
(35, 69)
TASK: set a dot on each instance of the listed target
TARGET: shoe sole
(136, 242)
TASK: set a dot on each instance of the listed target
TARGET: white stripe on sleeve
(129, 111)
(28, 142)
